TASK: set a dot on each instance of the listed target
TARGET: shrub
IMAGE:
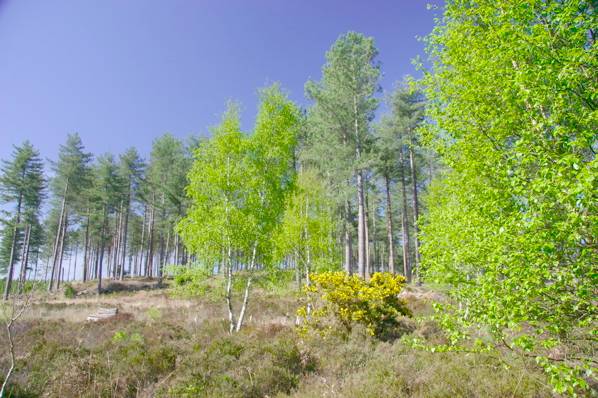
(69, 291)
(242, 365)
(351, 300)
(189, 281)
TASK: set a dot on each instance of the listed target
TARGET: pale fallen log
(103, 313)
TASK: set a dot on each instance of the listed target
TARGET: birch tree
(512, 224)
(238, 187)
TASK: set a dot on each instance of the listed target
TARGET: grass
(165, 347)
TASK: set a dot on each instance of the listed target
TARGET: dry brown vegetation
(164, 346)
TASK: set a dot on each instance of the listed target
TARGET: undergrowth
(163, 354)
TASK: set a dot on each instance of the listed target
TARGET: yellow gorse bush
(348, 299)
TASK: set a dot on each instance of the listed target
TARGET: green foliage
(69, 291)
(174, 356)
(154, 314)
(344, 105)
(307, 230)
(189, 281)
(22, 189)
(217, 186)
(512, 224)
(238, 188)
(242, 366)
(351, 300)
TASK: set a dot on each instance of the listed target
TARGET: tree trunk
(374, 254)
(361, 265)
(24, 258)
(361, 227)
(101, 252)
(125, 233)
(307, 255)
(347, 239)
(142, 239)
(58, 232)
(415, 211)
(13, 249)
(68, 268)
(165, 259)
(389, 231)
(86, 249)
(61, 248)
(115, 251)
(96, 258)
(368, 263)
(247, 287)
(229, 285)
(75, 265)
(150, 248)
(176, 248)
(405, 225)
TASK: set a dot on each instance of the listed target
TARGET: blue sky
(121, 73)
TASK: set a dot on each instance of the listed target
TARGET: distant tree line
(107, 217)
(346, 190)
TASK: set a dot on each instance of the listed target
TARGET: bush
(351, 300)
(254, 364)
(69, 291)
(189, 281)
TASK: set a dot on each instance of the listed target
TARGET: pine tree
(105, 196)
(344, 106)
(165, 197)
(71, 178)
(21, 184)
(130, 170)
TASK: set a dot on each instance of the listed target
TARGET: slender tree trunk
(101, 251)
(415, 210)
(96, 259)
(125, 233)
(361, 265)
(58, 237)
(176, 248)
(405, 225)
(61, 248)
(109, 271)
(150, 249)
(307, 255)
(68, 268)
(247, 287)
(165, 258)
(229, 285)
(368, 263)
(114, 251)
(86, 250)
(361, 227)
(24, 258)
(374, 254)
(75, 265)
(348, 251)
(13, 249)
(142, 238)
(389, 231)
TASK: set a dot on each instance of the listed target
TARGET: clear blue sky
(121, 73)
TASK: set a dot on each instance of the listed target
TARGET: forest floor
(160, 344)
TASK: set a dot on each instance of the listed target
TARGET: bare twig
(20, 303)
